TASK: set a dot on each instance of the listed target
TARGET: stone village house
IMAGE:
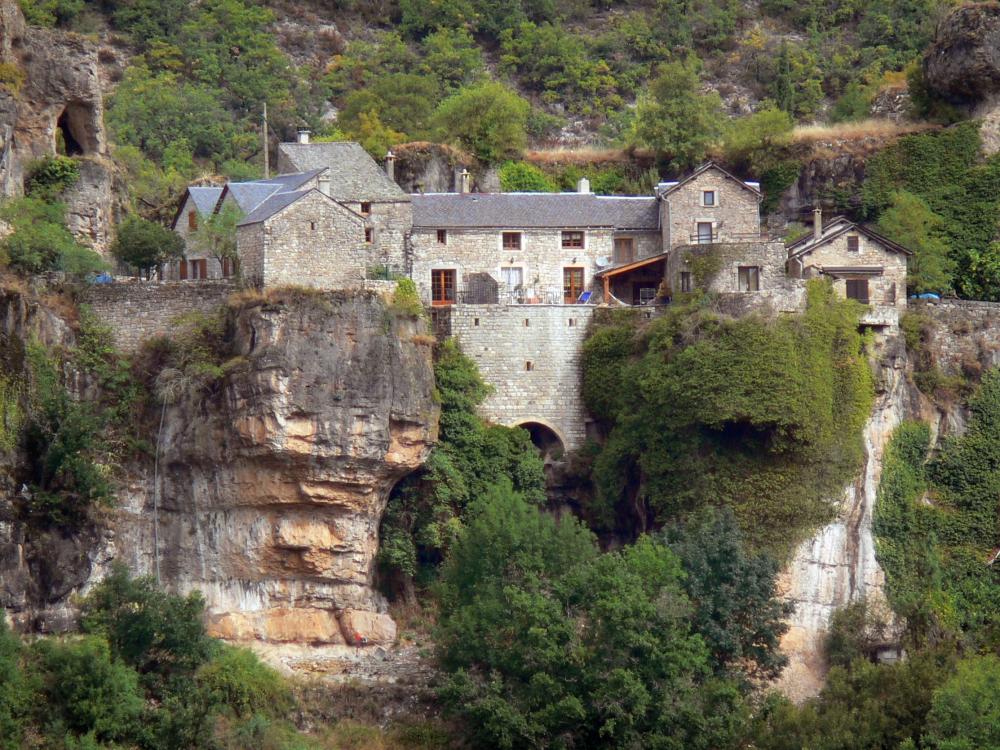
(516, 277)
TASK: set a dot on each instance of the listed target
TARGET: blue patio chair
(584, 298)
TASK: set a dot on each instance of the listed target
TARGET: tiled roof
(205, 198)
(354, 175)
(534, 210)
(271, 206)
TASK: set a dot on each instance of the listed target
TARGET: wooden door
(572, 284)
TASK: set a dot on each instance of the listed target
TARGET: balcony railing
(728, 237)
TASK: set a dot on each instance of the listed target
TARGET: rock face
(62, 99)
(270, 490)
(963, 62)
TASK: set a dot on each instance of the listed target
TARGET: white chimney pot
(583, 185)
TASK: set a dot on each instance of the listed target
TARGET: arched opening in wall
(75, 134)
(548, 442)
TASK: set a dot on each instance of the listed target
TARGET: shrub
(50, 176)
(487, 119)
(14, 692)
(41, 242)
(11, 78)
(521, 177)
(236, 678)
(966, 710)
(406, 299)
(145, 244)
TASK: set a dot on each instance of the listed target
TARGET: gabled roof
(249, 195)
(280, 201)
(204, 198)
(834, 229)
(666, 188)
(354, 175)
(534, 210)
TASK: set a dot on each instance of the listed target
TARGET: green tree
(487, 119)
(755, 142)
(911, 222)
(452, 57)
(794, 80)
(87, 690)
(144, 244)
(14, 691)
(675, 119)
(50, 176)
(736, 609)
(41, 242)
(965, 714)
(216, 235)
(521, 177)
(402, 101)
(236, 678)
(548, 643)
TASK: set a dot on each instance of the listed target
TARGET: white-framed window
(704, 232)
(710, 197)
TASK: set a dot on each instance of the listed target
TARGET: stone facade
(391, 222)
(716, 268)
(314, 241)
(964, 335)
(735, 217)
(541, 258)
(886, 286)
(530, 354)
(140, 310)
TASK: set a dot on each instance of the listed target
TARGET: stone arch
(77, 125)
(548, 438)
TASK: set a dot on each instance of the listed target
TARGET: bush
(521, 177)
(47, 178)
(406, 299)
(41, 242)
(14, 692)
(966, 710)
(487, 119)
(86, 690)
(145, 244)
(237, 679)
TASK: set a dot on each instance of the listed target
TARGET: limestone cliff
(270, 488)
(269, 484)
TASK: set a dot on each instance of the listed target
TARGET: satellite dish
(603, 261)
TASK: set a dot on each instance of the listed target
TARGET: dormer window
(366, 209)
(708, 198)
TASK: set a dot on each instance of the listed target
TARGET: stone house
(709, 206)
(861, 263)
(526, 248)
(357, 181)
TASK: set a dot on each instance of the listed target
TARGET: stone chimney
(583, 185)
(390, 165)
(817, 223)
(324, 182)
(464, 179)
(304, 136)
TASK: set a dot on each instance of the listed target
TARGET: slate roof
(354, 175)
(249, 195)
(665, 188)
(204, 198)
(833, 229)
(271, 206)
(534, 210)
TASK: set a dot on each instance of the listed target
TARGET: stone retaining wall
(964, 334)
(530, 354)
(138, 310)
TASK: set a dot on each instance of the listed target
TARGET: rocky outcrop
(270, 489)
(423, 167)
(61, 101)
(963, 62)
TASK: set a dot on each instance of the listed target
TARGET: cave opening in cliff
(74, 130)
(548, 442)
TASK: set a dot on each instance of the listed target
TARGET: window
(199, 269)
(748, 278)
(182, 270)
(313, 225)
(858, 289)
(443, 287)
(527, 322)
(511, 240)
(685, 281)
(624, 250)
(369, 235)
(571, 322)
(366, 209)
(442, 236)
(528, 366)
(512, 277)
(708, 197)
(228, 267)
(572, 240)
(647, 294)
(192, 220)
(704, 232)
(572, 284)
(852, 244)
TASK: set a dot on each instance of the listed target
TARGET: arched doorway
(549, 443)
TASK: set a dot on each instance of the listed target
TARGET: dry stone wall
(140, 310)
(964, 335)
(530, 354)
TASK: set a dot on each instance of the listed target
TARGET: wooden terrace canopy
(635, 265)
